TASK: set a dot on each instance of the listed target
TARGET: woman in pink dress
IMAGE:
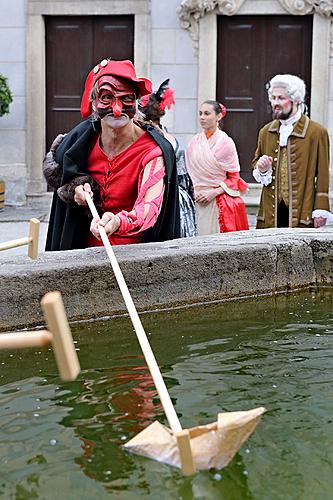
(213, 165)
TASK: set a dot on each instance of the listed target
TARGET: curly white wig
(294, 85)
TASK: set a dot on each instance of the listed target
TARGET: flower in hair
(223, 110)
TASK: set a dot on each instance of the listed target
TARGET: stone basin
(166, 275)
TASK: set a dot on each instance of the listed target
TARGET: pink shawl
(209, 160)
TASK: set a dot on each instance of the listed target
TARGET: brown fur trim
(67, 191)
(56, 142)
(52, 171)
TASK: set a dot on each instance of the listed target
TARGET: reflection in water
(66, 437)
(133, 402)
(111, 405)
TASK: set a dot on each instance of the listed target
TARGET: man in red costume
(126, 166)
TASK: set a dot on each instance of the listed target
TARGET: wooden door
(73, 46)
(251, 50)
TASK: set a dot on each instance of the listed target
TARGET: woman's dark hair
(215, 104)
(152, 111)
(153, 106)
(218, 108)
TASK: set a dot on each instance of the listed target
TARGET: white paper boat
(212, 445)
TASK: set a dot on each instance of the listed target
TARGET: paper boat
(212, 445)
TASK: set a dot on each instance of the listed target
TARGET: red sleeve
(135, 221)
(234, 181)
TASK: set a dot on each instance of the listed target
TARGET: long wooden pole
(139, 330)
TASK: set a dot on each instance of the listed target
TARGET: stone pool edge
(167, 274)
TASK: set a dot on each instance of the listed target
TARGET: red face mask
(115, 96)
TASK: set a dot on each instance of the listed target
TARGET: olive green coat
(308, 172)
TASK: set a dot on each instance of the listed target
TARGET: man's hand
(79, 196)
(264, 163)
(319, 221)
(109, 221)
(207, 196)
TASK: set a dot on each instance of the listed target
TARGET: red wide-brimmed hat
(123, 69)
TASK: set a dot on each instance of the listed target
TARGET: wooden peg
(185, 452)
(33, 237)
(17, 340)
(62, 341)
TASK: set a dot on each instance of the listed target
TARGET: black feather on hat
(161, 89)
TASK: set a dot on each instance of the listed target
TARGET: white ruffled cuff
(323, 213)
(263, 179)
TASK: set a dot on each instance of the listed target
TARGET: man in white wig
(291, 161)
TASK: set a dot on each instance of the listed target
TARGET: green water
(63, 440)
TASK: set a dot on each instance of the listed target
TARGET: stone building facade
(171, 40)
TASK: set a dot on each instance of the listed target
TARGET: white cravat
(287, 126)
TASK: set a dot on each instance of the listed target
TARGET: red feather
(167, 99)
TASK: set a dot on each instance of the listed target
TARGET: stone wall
(167, 53)
(168, 274)
(173, 57)
(13, 169)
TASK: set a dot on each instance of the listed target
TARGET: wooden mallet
(58, 334)
(31, 240)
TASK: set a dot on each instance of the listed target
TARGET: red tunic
(120, 181)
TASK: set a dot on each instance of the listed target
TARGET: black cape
(69, 223)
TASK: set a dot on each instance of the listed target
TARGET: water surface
(63, 440)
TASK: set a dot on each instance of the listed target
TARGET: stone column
(36, 186)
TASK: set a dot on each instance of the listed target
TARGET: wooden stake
(17, 340)
(62, 341)
(31, 240)
(33, 236)
(185, 452)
